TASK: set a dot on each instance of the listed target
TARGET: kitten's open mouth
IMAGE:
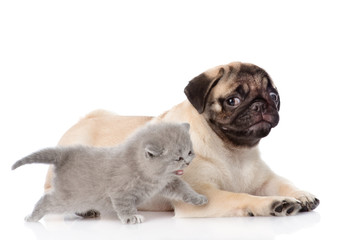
(179, 172)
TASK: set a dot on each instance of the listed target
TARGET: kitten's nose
(182, 159)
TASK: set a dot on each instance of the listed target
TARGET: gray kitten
(118, 178)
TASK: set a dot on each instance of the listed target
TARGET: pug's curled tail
(48, 156)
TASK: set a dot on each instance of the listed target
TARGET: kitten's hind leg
(89, 214)
(41, 208)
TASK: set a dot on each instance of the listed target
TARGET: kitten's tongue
(179, 172)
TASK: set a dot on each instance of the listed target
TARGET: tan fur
(102, 128)
(235, 180)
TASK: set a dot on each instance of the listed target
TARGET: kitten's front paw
(197, 200)
(134, 219)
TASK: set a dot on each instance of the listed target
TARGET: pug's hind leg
(89, 214)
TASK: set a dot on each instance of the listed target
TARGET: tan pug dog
(230, 108)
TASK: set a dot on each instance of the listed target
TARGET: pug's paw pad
(89, 214)
(285, 207)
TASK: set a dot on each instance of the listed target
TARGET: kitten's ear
(152, 151)
(186, 125)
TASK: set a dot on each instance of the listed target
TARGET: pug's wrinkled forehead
(242, 77)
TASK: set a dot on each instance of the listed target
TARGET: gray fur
(118, 178)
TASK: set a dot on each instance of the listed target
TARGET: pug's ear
(198, 89)
(152, 151)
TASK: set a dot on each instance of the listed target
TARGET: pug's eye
(274, 96)
(233, 102)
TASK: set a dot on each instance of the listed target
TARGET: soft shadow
(162, 225)
(248, 227)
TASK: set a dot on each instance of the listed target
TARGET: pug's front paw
(308, 201)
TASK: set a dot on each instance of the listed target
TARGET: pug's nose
(258, 107)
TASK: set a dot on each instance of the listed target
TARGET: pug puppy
(230, 108)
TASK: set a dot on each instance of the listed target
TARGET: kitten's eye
(150, 155)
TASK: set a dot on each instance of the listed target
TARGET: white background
(62, 59)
